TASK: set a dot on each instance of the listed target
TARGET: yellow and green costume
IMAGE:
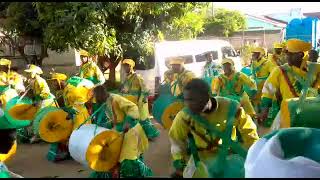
(119, 112)
(190, 132)
(237, 87)
(92, 72)
(16, 80)
(134, 88)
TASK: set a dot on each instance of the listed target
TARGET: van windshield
(203, 56)
(227, 51)
(188, 59)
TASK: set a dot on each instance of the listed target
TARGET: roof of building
(312, 14)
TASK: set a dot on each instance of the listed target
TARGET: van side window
(188, 59)
(202, 57)
(228, 52)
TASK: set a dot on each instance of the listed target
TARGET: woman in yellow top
(122, 115)
(134, 86)
(192, 127)
(290, 78)
(260, 69)
(235, 85)
(90, 70)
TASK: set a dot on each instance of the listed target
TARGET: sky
(261, 8)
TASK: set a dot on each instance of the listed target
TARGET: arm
(249, 83)
(128, 107)
(178, 135)
(246, 127)
(215, 86)
(43, 89)
(270, 87)
(99, 75)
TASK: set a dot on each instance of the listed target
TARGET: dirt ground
(30, 161)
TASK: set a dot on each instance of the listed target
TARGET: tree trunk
(112, 76)
(112, 64)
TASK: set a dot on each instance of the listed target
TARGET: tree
(19, 22)
(224, 23)
(113, 30)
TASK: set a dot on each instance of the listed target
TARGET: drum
(165, 109)
(7, 95)
(51, 125)
(292, 116)
(96, 147)
(20, 111)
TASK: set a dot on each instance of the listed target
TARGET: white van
(194, 53)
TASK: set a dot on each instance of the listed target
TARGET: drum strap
(225, 136)
(285, 75)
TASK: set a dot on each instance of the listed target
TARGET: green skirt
(149, 128)
(272, 114)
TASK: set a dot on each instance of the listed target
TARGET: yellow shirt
(3, 78)
(90, 70)
(17, 81)
(181, 81)
(183, 124)
(40, 87)
(277, 82)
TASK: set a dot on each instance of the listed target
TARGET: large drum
(166, 107)
(20, 111)
(294, 114)
(6, 95)
(96, 147)
(51, 125)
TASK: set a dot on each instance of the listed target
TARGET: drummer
(288, 79)
(122, 115)
(17, 80)
(187, 128)
(134, 85)
(8, 145)
(183, 76)
(235, 85)
(40, 91)
(90, 70)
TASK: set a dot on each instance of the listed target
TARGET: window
(188, 59)
(203, 57)
(228, 52)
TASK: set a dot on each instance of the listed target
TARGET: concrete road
(30, 161)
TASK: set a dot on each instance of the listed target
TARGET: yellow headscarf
(296, 45)
(5, 62)
(277, 45)
(84, 53)
(176, 60)
(33, 69)
(227, 60)
(260, 50)
(130, 62)
(58, 77)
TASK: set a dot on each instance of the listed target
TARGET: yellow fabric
(81, 116)
(247, 105)
(169, 76)
(75, 95)
(180, 129)
(34, 69)
(227, 60)
(276, 81)
(8, 156)
(285, 114)
(260, 50)
(135, 143)
(277, 45)
(91, 69)
(122, 107)
(130, 62)
(183, 77)
(170, 112)
(104, 151)
(83, 53)
(5, 62)
(3, 78)
(59, 76)
(296, 45)
(6, 96)
(54, 127)
(136, 85)
(40, 87)
(176, 60)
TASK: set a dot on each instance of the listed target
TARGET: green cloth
(150, 130)
(24, 135)
(4, 171)
(74, 80)
(93, 79)
(3, 89)
(134, 169)
(96, 174)
(57, 152)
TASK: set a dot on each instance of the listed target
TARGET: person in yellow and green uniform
(58, 151)
(277, 57)
(7, 92)
(182, 76)
(235, 85)
(123, 115)
(134, 86)
(90, 70)
(260, 69)
(289, 79)
(8, 144)
(40, 95)
(204, 131)
(211, 68)
(16, 80)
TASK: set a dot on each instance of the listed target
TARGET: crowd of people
(220, 131)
